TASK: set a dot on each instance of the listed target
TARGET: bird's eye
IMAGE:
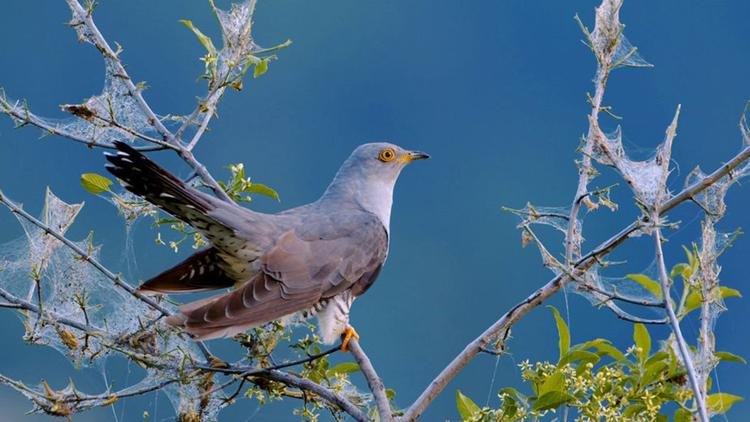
(387, 155)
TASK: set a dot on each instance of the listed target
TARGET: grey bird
(313, 260)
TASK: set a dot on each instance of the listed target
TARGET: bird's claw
(346, 336)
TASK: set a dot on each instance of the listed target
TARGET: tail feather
(199, 272)
(216, 219)
(158, 186)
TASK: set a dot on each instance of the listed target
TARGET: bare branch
(373, 380)
(317, 389)
(247, 371)
(609, 296)
(687, 359)
(210, 105)
(26, 117)
(625, 316)
(585, 170)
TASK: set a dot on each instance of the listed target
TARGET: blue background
(495, 91)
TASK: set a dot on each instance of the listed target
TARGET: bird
(309, 261)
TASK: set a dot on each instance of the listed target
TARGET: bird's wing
(201, 271)
(326, 256)
(238, 234)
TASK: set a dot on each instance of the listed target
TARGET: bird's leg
(346, 336)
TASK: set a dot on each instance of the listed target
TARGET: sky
(494, 91)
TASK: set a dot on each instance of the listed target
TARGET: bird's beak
(414, 156)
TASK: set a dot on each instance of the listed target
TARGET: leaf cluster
(598, 381)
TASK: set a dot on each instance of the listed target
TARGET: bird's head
(380, 161)
(368, 176)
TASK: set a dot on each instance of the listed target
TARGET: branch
(608, 296)
(83, 255)
(247, 371)
(319, 390)
(586, 166)
(621, 314)
(28, 118)
(274, 373)
(101, 44)
(116, 279)
(675, 324)
(212, 101)
(15, 302)
(125, 393)
(373, 380)
(553, 286)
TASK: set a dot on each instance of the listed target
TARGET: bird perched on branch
(312, 260)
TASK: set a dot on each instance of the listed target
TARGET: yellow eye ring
(387, 155)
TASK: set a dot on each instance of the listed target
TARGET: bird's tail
(158, 186)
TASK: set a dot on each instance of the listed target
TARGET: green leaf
(510, 407)
(390, 393)
(612, 351)
(691, 258)
(579, 355)
(695, 297)
(260, 68)
(642, 340)
(654, 372)
(264, 190)
(554, 382)
(682, 269)
(603, 346)
(562, 332)
(652, 286)
(466, 407)
(692, 302)
(513, 392)
(551, 400)
(682, 415)
(633, 410)
(721, 402)
(204, 39)
(344, 368)
(658, 356)
(95, 183)
(729, 357)
(729, 292)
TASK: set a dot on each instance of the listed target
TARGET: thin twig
(245, 371)
(211, 103)
(28, 118)
(618, 297)
(687, 359)
(125, 393)
(625, 316)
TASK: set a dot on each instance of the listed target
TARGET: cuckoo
(312, 260)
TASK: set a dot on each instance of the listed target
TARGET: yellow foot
(346, 336)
